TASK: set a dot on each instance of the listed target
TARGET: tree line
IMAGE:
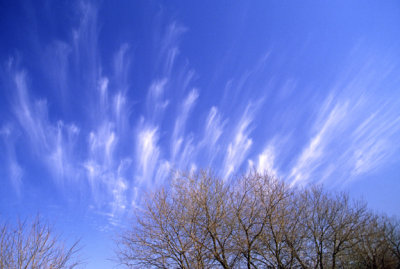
(256, 221)
(198, 220)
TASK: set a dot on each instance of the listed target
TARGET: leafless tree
(33, 244)
(378, 245)
(261, 206)
(392, 235)
(256, 221)
(216, 222)
(331, 223)
(200, 221)
(184, 226)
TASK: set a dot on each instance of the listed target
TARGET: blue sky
(100, 101)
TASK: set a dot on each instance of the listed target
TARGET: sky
(100, 101)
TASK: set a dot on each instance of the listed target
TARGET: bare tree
(217, 220)
(330, 225)
(180, 227)
(158, 238)
(201, 221)
(256, 221)
(34, 245)
(378, 245)
(392, 235)
(250, 217)
(261, 205)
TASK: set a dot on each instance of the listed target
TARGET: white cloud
(266, 161)
(312, 155)
(169, 46)
(147, 153)
(369, 156)
(52, 143)
(103, 92)
(213, 130)
(102, 144)
(179, 129)
(163, 172)
(155, 103)
(60, 157)
(31, 117)
(85, 40)
(187, 155)
(238, 149)
(57, 157)
(374, 141)
(15, 170)
(121, 68)
(120, 186)
(121, 114)
(355, 133)
(16, 173)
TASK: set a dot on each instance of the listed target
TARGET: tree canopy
(255, 221)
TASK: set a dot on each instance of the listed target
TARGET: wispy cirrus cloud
(53, 142)
(265, 161)
(357, 130)
(156, 103)
(374, 143)
(61, 156)
(169, 47)
(154, 164)
(312, 155)
(15, 170)
(102, 125)
(85, 45)
(238, 148)
(214, 128)
(32, 116)
(180, 145)
(147, 153)
(122, 62)
(117, 135)
(147, 150)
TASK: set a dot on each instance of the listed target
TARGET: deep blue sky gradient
(100, 101)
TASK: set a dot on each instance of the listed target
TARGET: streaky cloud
(15, 170)
(179, 128)
(147, 153)
(60, 157)
(52, 142)
(213, 130)
(32, 116)
(266, 161)
(85, 44)
(169, 49)
(311, 156)
(356, 131)
(121, 68)
(155, 102)
(238, 148)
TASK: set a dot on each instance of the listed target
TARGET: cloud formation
(109, 135)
